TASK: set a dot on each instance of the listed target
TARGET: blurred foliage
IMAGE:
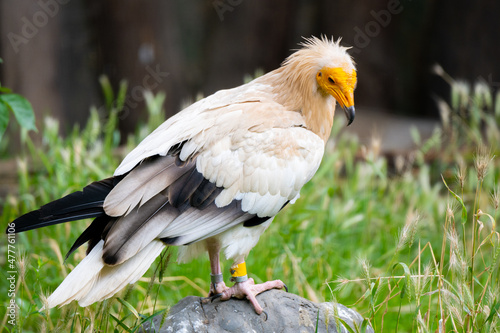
(19, 106)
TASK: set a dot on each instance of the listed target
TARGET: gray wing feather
(144, 182)
(195, 225)
(131, 233)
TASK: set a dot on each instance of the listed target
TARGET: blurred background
(55, 50)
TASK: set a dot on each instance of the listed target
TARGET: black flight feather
(92, 234)
(202, 195)
(254, 221)
(130, 233)
(75, 206)
(183, 188)
(184, 185)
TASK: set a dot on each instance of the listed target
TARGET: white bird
(209, 179)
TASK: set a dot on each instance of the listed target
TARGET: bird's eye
(331, 80)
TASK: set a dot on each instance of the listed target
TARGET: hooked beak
(349, 114)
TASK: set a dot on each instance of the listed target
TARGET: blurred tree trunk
(130, 46)
(47, 55)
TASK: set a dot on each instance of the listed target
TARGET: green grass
(392, 242)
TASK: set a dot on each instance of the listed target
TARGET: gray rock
(286, 313)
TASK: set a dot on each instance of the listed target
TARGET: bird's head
(327, 66)
(339, 82)
(335, 72)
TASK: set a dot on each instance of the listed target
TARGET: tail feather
(81, 279)
(112, 279)
(92, 234)
(75, 206)
(92, 281)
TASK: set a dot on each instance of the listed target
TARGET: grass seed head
(495, 198)
(453, 239)
(461, 172)
(493, 294)
(481, 162)
(427, 277)
(438, 70)
(407, 234)
(452, 304)
(42, 327)
(482, 94)
(445, 113)
(341, 283)
(338, 326)
(460, 95)
(421, 323)
(399, 163)
(467, 296)
(45, 303)
(454, 262)
(22, 165)
(376, 143)
(497, 103)
(21, 264)
(365, 265)
(450, 212)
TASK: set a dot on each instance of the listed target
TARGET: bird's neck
(319, 117)
(299, 93)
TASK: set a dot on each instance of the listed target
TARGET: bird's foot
(249, 290)
(216, 289)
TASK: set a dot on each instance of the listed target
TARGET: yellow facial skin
(340, 84)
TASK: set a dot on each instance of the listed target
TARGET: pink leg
(217, 285)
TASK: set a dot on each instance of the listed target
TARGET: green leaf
(493, 311)
(122, 95)
(129, 306)
(4, 118)
(407, 284)
(346, 326)
(122, 325)
(22, 110)
(5, 90)
(415, 135)
(464, 210)
(107, 91)
(145, 319)
(477, 281)
(375, 287)
(364, 325)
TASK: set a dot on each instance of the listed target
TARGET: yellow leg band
(239, 270)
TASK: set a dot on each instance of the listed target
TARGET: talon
(265, 313)
(214, 297)
(284, 286)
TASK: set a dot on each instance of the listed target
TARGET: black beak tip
(350, 114)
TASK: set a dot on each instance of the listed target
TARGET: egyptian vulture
(209, 179)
